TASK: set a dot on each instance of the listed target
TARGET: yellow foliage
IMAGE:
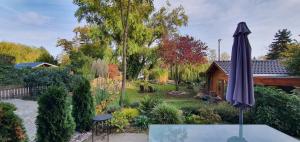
(130, 113)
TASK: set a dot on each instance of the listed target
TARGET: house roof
(32, 65)
(259, 67)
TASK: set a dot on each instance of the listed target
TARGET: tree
(46, 57)
(212, 56)
(292, 56)
(279, 45)
(54, 120)
(83, 105)
(21, 53)
(180, 50)
(225, 56)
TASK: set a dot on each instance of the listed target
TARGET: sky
(42, 22)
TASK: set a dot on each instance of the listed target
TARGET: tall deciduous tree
(281, 40)
(179, 50)
(225, 56)
(292, 56)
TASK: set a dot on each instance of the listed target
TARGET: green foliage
(12, 129)
(54, 121)
(11, 76)
(22, 53)
(192, 73)
(46, 57)
(130, 113)
(281, 40)
(81, 64)
(142, 121)
(113, 108)
(49, 76)
(134, 105)
(148, 104)
(160, 75)
(277, 109)
(165, 114)
(120, 121)
(193, 119)
(227, 112)
(293, 59)
(7, 59)
(208, 116)
(100, 95)
(83, 105)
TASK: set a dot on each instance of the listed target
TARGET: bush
(112, 108)
(208, 116)
(119, 120)
(193, 119)
(227, 112)
(142, 121)
(148, 103)
(277, 109)
(166, 114)
(130, 113)
(188, 110)
(54, 120)
(134, 105)
(100, 95)
(83, 105)
(11, 125)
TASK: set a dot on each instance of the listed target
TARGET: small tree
(54, 121)
(180, 50)
(292, 56)
(280, 44)
(83, 105)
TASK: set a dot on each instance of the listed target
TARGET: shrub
(11, 125)
(112, 108)
(188, 110)
(142, 121)
(160, 75)
(148, 103)
(134, 105)
(166, 114)
(48, 77)
(120, 121)
(277, 109)
(54, 121)
(83, 105)
(208, 116)
(130, 113)
(227, 112)
(193, 119)
(100, 95)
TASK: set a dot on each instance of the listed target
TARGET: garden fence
(10, 92)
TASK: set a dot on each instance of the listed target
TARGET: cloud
(33, 18)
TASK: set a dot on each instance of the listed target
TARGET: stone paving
(122, 137)
(27, 110)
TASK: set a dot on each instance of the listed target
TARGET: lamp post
(219, 42)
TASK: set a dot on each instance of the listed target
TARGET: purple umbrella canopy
(240, 85)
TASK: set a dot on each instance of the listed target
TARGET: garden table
(105, 124)
(216, 133)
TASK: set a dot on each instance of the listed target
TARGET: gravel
(27, 111)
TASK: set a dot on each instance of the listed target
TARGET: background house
(267, 73)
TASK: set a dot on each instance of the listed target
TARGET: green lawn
(132, 92)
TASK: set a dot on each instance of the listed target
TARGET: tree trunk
(125, 36)
(176, 77)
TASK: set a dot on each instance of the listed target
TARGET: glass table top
(217, 133)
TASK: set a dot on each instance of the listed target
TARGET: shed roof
(32, 65)
(259, 67)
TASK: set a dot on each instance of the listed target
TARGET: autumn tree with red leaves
(179, 50)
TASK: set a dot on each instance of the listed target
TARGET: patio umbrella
(240, 84)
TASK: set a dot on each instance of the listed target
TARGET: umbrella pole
(241, 122)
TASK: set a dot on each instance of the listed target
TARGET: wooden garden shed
(265, 72)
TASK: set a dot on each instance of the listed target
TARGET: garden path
(27, 111)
